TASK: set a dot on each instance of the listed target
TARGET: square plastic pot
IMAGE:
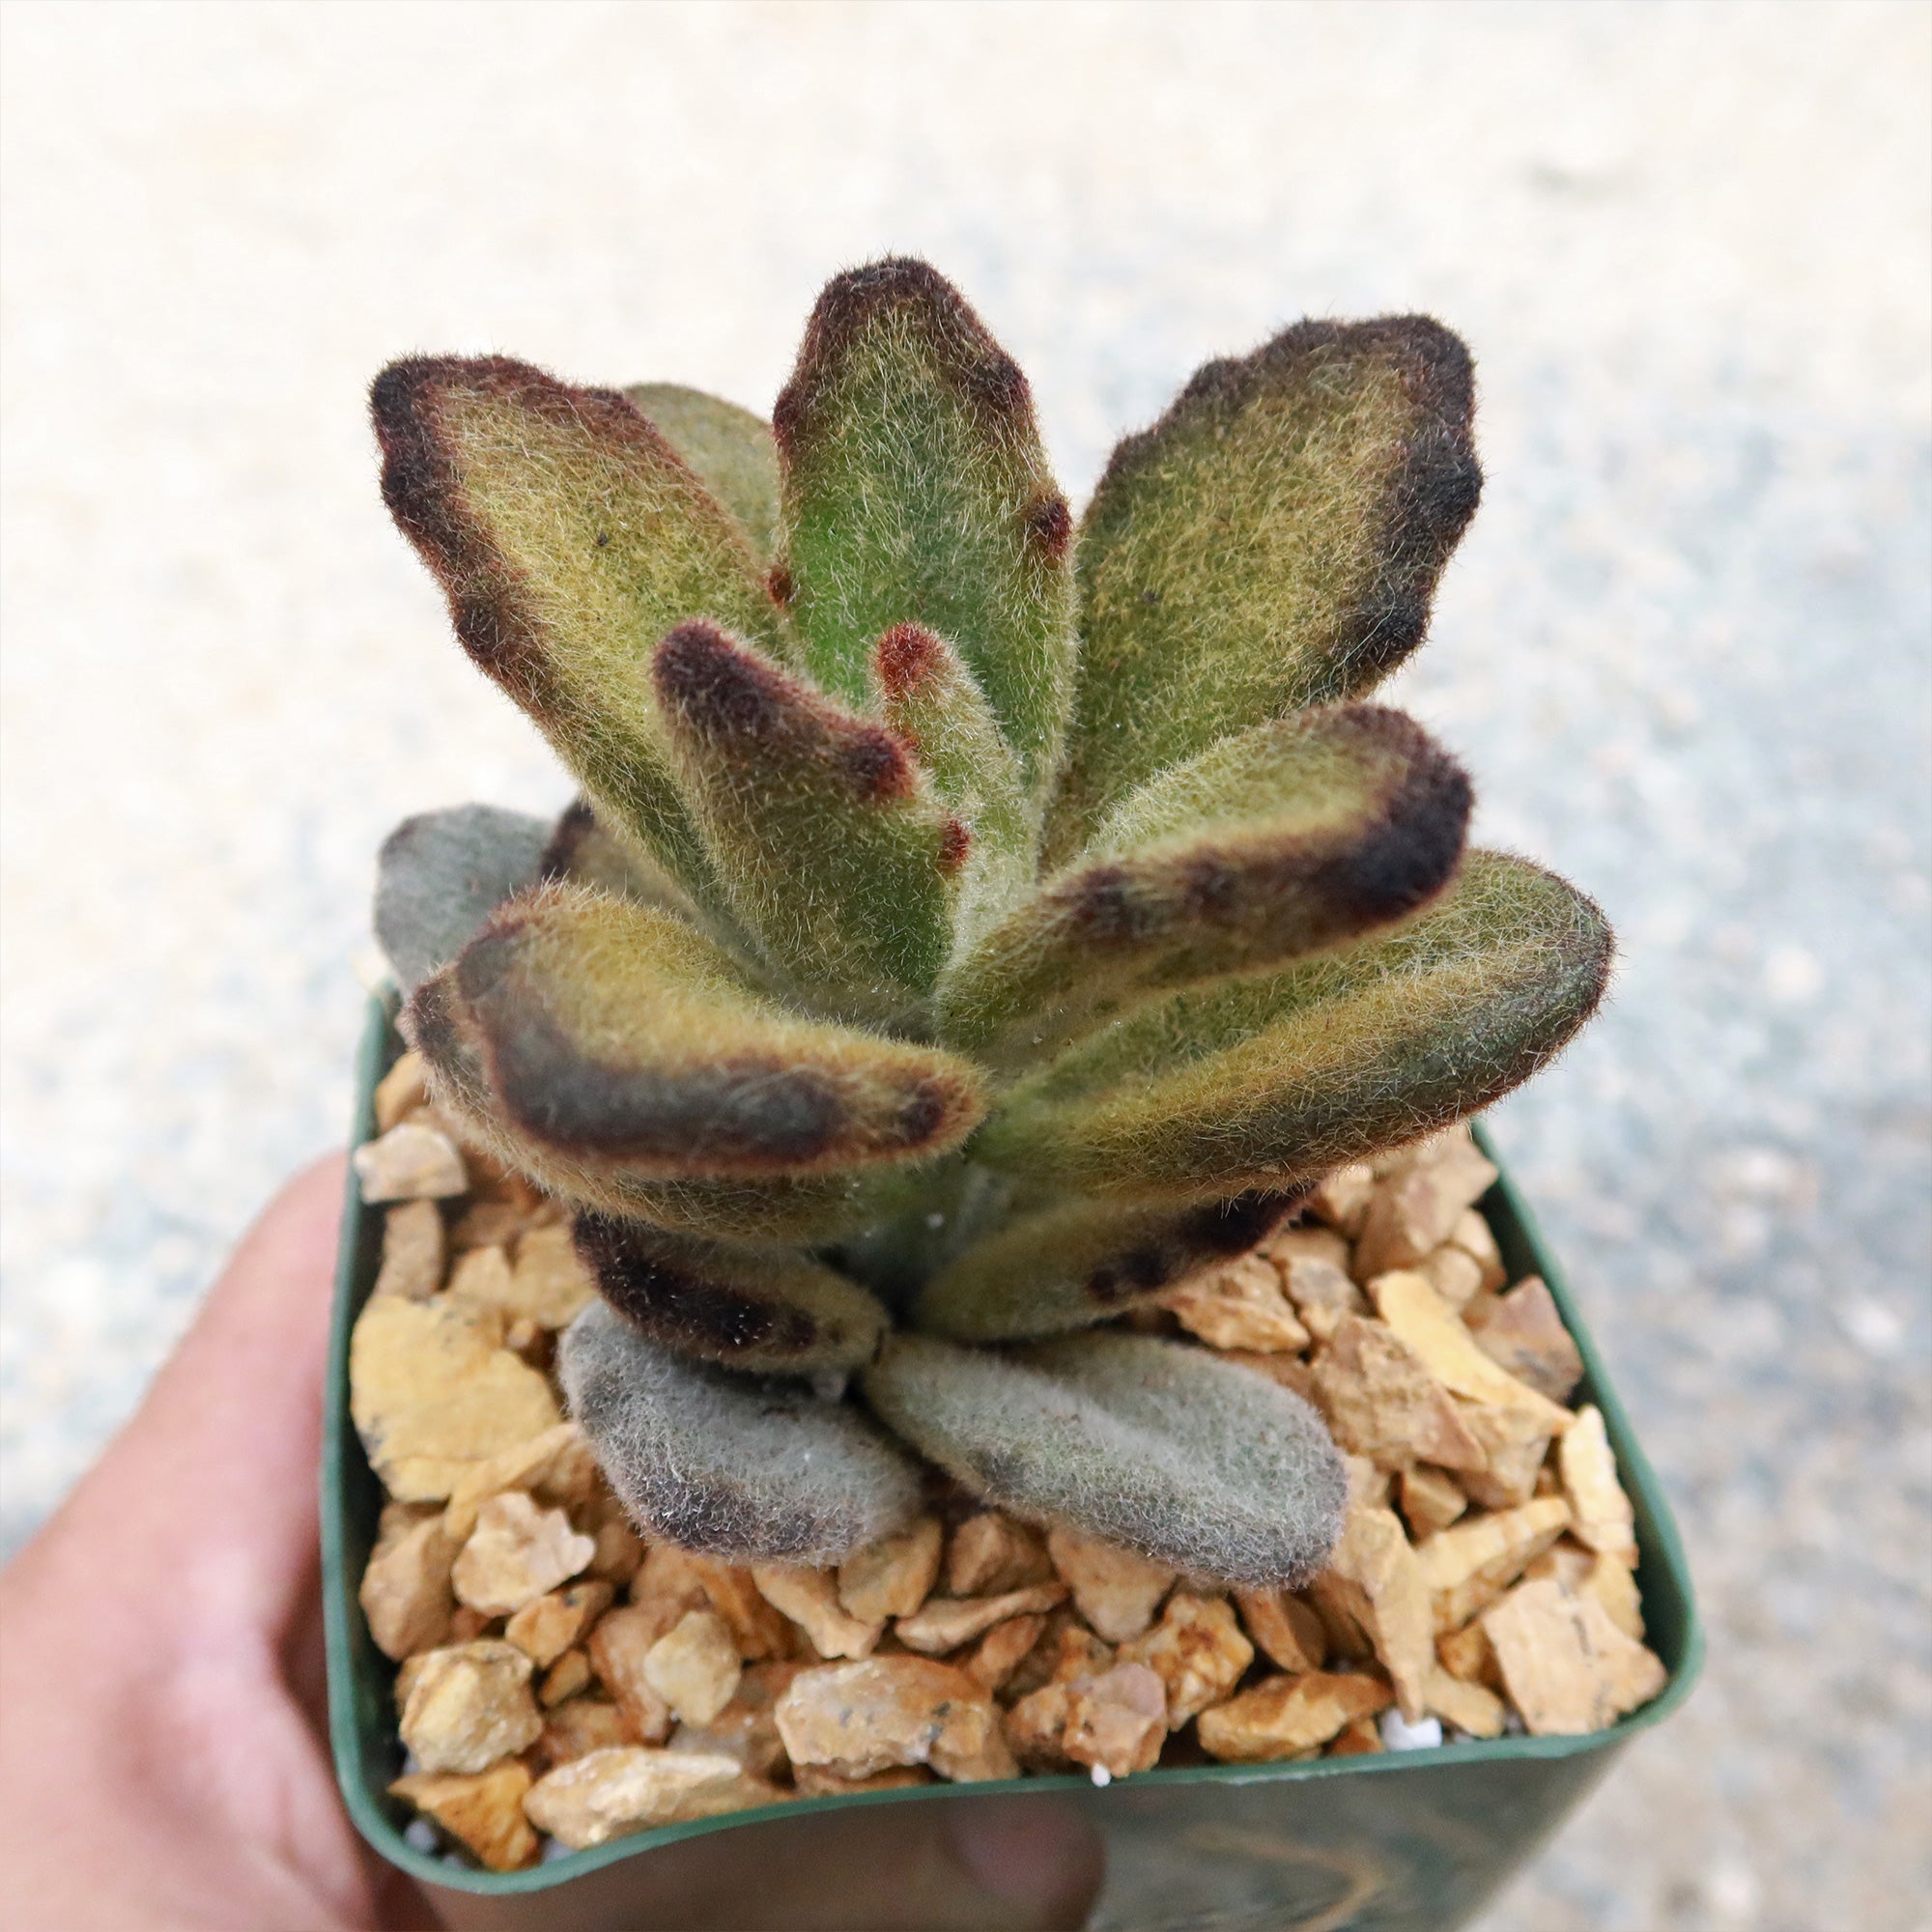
(1412, 1841)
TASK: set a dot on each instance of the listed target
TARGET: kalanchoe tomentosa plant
(971, 922)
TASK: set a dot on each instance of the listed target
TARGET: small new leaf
(831, 848)
(931, 701)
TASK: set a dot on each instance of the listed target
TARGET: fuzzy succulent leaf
(611, 1044)
(831, 846)
(569, 538)
(805, 1212)
(1272, 542)
(731, 450)
(760, 1310)
(928, 697)
(1264, 1082)
(916, 491)
(441, 875)
(1206, 1467)
(746, 1468)
(1080, 1262)
(1292, 837)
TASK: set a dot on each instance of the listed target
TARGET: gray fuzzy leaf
(442, 873)
(1200, 1466)
(738, 1467)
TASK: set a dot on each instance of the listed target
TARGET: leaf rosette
(974, 920)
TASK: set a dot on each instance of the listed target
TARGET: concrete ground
(1684, 650)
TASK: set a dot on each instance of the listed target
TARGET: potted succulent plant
(978, 933)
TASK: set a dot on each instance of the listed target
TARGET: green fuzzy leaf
(759, 1310)
(931, 701)
(1082, 1262)
(1264, 1082)
(569, 538)
(749, 1471)
(831, 848)
(1206, 1467)
(441, 875)
(730, 450)
(803, 1212)
(1293, 837)
(611, 1046)
(787, 1210)
(1272, 542)
(915, 490)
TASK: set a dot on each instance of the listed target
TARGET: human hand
(162, 1755)
(161, 1762)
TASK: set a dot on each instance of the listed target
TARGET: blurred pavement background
(1684, 650)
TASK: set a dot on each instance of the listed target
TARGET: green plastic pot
(1412, 1841)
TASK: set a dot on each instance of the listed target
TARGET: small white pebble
(1399, 1735)
(421, 1834)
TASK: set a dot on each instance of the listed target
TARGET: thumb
(1039, 1853)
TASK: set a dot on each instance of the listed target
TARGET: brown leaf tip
(779, 585)
(409, 405)
(722, 692)
(430, 1024)
(908, 656)
(577, 824)
(414, 405)
(703, 678)
(419, 477)
(1416, 843)
(680, 1306)
(955, 842)
(875, 763)
(901, 288)
(1050, 526)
